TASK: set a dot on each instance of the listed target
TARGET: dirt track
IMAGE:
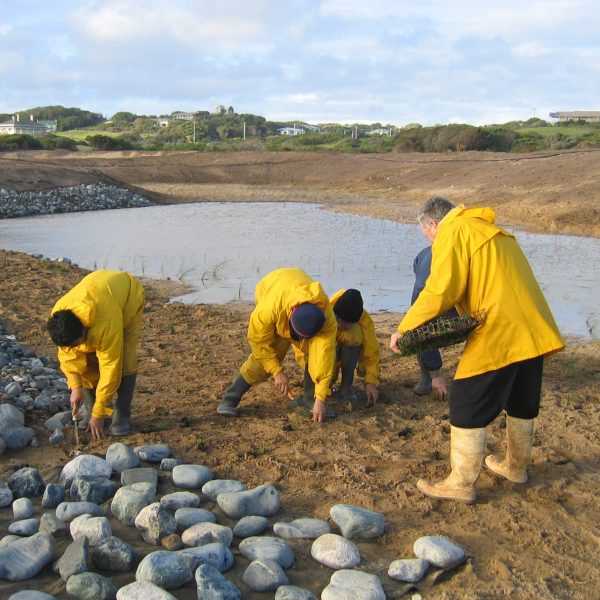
(552, 192)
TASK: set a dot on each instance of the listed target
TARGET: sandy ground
(538, 540)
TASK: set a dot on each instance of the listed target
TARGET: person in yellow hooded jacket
(96, 326)
(356, 347)
(291, 309)
(478, 266)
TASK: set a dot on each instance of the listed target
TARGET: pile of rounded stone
(29, 383)
(68, 199)
(195, 548)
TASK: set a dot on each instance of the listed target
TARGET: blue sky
(392, 61)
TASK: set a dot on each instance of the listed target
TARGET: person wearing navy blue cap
(291, 310)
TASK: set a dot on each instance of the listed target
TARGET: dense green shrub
(105, 142)
(19, 142)
(57, 142)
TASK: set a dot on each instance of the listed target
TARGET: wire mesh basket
(442, 332)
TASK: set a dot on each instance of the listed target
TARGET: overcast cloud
(392, 61)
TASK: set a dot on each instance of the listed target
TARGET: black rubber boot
(349, 356)
(232, 397)
(424, 386)
(121, 417)
(307, 400)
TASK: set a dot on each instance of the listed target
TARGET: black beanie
(307, 320)
(349, 306)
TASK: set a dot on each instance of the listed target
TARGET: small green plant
(571, 368)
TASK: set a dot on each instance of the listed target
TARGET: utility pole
(244, 129)
(534, 113)
(194, 137)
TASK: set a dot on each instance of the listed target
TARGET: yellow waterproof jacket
(277, 294)
(476, 266)
(108, 303)
(368, 363)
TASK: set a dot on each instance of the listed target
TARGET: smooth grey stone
(9, 539)
(59, 420)
(263, 501)
(408, 569)
(13, 389)
(153, 453)
(42, 402)
(18, 437)
(140, 475)
(168, 464)
(122, 457)
(54, 494)
(143, 590)
(67, 511)
(31, 595)
(250, 526)
(25, 558)
(2, 445)
(264, 575)
(207, 533)
(6, 495)
(90, 586)
(220, 486)
(355, 522)
(92, 489)
(302, 528)
(291, 592)
(335, 551)
(82, 465)
(211, 585)
(353, 585)
(24, 527)
(129, 501)
(95, 529)
(10, 416)
(216, 555)
(57, 437)
(75, 559)
(113, 554)
(186, 517)
(53, 525)
(22, 509)
(169, 570)
(439, 551)
(155, 522)
(267, 548)
(180, 500)
(191, 476)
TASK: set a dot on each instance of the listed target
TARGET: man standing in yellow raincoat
(356, 346)
(291, 309)
(96, 326)
(477, 266)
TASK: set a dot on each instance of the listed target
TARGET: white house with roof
(591, 116)
(16, 126)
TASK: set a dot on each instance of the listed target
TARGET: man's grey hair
(435, 209)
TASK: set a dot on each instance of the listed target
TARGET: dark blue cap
(307, 320)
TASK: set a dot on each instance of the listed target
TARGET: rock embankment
(68, 199)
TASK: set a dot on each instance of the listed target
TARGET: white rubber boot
(519, 437)
(466, 454)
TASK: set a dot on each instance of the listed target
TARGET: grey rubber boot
(349, 356)
(121, 417)
(424, 386)
(88, 405)
(232, 397)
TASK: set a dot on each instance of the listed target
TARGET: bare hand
(318, 411)
(96, 428)
(372, 394)
(77, 398)
(393, 342)
(440, 387)
(281, 382)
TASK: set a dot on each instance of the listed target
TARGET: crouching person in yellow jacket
(356, 347)
(96, 326)
(291, 309)
(477, 266)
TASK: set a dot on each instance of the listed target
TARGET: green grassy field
(548, 131)
(79, 135)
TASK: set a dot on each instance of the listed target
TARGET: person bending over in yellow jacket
(291, 309)
(477, 266)
(356, 347)
(96, 326)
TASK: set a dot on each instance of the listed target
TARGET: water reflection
(223, 249)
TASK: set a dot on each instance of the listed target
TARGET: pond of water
(222, 249)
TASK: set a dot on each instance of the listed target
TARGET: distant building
(220, 109)
(381, 131)
(183, 116)
(291, 130)
(51, 124)
(591, 116)
(26, 127)
(163, 121)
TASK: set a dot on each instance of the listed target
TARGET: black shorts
(477, 401)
